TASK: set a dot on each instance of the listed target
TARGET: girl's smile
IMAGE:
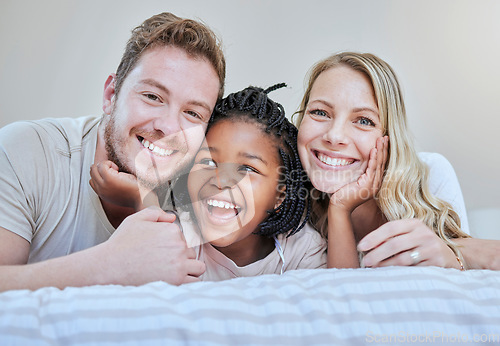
(233, 183)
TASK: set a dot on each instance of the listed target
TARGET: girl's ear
(280, 197)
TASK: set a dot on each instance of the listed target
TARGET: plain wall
(56, 55)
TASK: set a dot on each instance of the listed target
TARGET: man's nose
(168, 122)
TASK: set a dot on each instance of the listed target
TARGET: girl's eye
(318, 112)
(208, 162)
(366, 122)
(246, 168)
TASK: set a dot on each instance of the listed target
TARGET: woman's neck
(366, 218)
(249, 250)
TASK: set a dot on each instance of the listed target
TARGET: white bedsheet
(392, 305)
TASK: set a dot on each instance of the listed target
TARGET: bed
(393, 305)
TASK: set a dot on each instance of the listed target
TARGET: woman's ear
(108, 98)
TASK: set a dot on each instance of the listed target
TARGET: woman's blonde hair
(404, 193)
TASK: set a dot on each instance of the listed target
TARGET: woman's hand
(116, 187)
(368, 184)
(406, 243)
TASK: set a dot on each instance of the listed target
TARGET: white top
(443, 183)
(46, 197)
(305, 249)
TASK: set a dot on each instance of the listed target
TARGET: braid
(253, 105)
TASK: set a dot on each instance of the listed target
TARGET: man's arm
(480, 253)
(147, 247)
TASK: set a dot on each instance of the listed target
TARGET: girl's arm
(120, 188)
(342, 252)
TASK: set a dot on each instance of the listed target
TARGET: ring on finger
(415, 257)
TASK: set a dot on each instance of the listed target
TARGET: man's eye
(152, 97)
(194, 115)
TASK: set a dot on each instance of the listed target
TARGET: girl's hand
(368, 184)
(116, 187)
(406, 242)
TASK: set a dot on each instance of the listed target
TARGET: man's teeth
(221, 204)
(155, 149)
(330, 161)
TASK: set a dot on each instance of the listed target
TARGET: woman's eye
(366, 122)
(318, 112)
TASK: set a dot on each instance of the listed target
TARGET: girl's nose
(226, 176)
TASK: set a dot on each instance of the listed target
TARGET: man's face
(158, 120)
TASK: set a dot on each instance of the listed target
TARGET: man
(54, 230)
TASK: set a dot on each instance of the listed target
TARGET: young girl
(247, 192)
(369, 194)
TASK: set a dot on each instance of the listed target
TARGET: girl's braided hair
(253, 105)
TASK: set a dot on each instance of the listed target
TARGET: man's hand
(149, 247)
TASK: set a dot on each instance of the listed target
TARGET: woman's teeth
(330, 161)
(155, 149)
(221, 204)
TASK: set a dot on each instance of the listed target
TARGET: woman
(351, 109)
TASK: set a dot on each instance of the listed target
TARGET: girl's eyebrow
(241, 154)
(252, 157)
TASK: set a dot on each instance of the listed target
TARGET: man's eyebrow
(156, 84)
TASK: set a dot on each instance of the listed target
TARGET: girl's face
(340, 126)
(234, 182)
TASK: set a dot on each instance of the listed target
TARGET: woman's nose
(337, 133)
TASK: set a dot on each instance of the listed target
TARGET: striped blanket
(394, 305)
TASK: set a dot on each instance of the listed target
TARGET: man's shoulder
(33, 133)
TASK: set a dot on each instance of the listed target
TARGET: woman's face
(340, 126)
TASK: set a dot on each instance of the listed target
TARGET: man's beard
(112, 144)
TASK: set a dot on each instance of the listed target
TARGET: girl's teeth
(221, 204)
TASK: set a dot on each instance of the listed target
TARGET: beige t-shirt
(45, 193)
(303, 250)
